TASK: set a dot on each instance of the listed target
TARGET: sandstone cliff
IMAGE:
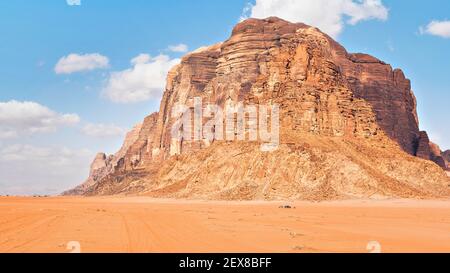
(446, 156)
(349, 126)
(104, 165)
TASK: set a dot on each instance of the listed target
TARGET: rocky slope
(349, 126)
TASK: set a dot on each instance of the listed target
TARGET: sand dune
(114, 224)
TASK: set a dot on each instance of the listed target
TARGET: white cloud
(437, 28)
(144, 81)
(329, 16)
(179, 48)
(27, 169)
(17, 118)
(77, 63)
(141, 59)
(103, 130)
(73, 2)
(51, 155)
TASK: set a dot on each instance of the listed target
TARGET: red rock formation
(446, 156)
(350, 108)
(272, 60)
(132, 150)
(98, 171)
(429, 151)
(139, 154)
(423, 146)
(389, 93)
(437, 155)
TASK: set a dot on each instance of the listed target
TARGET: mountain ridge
(327, 96)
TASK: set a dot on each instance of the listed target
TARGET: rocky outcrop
(437, 155)
(133, 149)
(388, 92)
(265, 62)
(423, 147)
(322, 89)
(139, 154)
(345, 119)
(446, 156)
(99, 170)
(429, 150)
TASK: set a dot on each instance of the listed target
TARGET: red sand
(128, 224)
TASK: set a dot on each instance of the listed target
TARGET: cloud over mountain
(330, 16)
(145, 80)
(180, 48)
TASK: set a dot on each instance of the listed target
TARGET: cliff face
(345, 119)
(99, 170)
(134, 149)
(430, 151)
(446, 156)
(388, 92)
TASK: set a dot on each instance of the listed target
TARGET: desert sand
(139, 224)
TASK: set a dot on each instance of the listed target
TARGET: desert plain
(141, 224)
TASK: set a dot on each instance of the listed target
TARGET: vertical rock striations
(446, 156)
(339, 114)
(429, 151)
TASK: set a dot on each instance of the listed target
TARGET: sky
(76, 75)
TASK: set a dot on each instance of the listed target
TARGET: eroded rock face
(132, 154)
(388, 92)
(423, 146)
(321, 88)
(429, 150)
(139, 154)
(446, 156)
(99, 169)
(322, 91)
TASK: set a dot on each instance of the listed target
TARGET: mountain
(348, 126)
(446, 156)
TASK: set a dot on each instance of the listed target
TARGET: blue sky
(88, 109)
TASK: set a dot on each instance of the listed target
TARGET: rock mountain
(349, 127)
